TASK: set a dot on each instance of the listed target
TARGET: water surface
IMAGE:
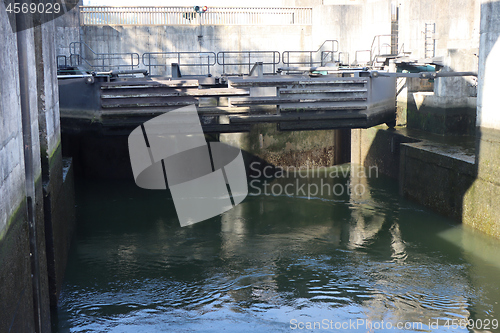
(276, 263)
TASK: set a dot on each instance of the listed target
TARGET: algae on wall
(297, 148)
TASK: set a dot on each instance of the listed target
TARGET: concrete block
(441, 115)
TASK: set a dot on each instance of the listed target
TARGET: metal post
(274, 62)
(149, 63)
(208, 64)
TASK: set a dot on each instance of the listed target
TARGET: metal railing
(235, 60)
(360, 60)
(310, 58)
(156, 15)
(102, 61)
(343, 58)
(75, 60)
(164, 60)
(382, 46)
(197, 63)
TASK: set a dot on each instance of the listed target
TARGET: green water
(276, 263)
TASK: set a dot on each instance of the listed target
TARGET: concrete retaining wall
(432, 170)
(483, 198)
(16, 308)
(30, 168)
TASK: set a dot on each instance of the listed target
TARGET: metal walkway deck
(293, 102)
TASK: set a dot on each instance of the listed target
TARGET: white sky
(209, 3)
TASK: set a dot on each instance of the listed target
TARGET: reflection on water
(273, 263)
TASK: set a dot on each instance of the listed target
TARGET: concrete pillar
(59, 217)
(482, 200)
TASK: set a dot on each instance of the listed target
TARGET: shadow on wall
(482, 200)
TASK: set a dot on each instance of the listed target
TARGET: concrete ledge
(432, 170)
(436, 176)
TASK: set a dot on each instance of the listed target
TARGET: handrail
(311, 62)
(343, 54)
(356, 61)
(286, 58)
(224, 59)
(334, 42)
(374, 54)
(184, 15)
(180, 59)
(134, 57)
(79, 60)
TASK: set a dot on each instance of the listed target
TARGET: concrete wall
(457, 30)
(348, 24)
(483, 198)
(30, 171)
(353, 25)
(67, 30)
(142, 39)
(15, 281)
